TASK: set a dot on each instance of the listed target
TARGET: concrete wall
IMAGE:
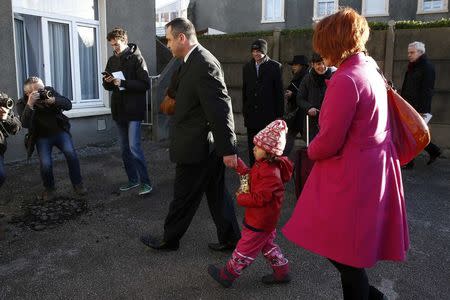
(138, 19)
(233, 53)
(8, 82)
(245, 15)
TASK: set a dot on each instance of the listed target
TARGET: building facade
(255, 15)
(64, 43)
(168, 11)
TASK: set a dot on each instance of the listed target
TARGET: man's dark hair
(184, 26)
(117, 34)
(316, 58)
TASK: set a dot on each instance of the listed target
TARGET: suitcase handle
(307, 130)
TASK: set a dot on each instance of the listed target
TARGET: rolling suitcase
(303, 165)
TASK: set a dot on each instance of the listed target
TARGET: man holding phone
(126, 76)
(107, 74)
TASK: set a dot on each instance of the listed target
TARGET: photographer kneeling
(41, 112)
(9, 124)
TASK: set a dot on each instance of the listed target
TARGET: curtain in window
(34, 46)
(87, 48)
(60, 58)
(374, 7)
(21, 62)
(432, 4)
(325, 7)
(270, 9)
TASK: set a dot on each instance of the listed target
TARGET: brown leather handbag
(167, 106)
(410, 133)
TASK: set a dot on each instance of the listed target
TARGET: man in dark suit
(202, 142)
(262, 92)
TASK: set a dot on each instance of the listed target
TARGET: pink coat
(352, 208)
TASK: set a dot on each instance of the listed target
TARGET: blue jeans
(2, 170)
(63, 142)
(132, 154)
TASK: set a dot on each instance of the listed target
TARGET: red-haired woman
(352, 208)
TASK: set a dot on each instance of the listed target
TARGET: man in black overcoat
(262, 92)
(418, 88)
(202, 142)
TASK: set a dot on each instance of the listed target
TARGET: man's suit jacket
(262, 95)
(203, 106)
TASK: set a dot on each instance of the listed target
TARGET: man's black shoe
(222, 246)
(159, 244)
(434, 157)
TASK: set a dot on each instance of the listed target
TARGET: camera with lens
(7, 103)
(45, 94)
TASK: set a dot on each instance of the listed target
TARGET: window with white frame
(432, 6)
(272, 11)
(21, 54)
(375, 8)
(58, 42)
(323, 8)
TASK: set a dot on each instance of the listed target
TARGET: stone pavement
(98, 255)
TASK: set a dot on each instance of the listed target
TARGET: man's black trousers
(191, 182)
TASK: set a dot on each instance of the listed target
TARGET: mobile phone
(107, 74)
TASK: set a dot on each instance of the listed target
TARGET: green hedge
(237, 35)
(284, 32)
(378, 25)
(444, 22)
(419, 24)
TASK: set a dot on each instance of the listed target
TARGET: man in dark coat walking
(126, 75)
(294, 114)
(202, 142)
(418, 87)
(262, 92)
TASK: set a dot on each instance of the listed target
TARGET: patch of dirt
(39, 215)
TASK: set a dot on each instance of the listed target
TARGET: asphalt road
(99, 256)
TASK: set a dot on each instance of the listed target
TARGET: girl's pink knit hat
(272, 138)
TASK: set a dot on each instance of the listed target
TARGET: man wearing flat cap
(294, 114)
(262, 92)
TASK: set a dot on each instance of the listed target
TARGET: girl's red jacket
(263, 202)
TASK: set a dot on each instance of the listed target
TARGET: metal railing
(150, 103)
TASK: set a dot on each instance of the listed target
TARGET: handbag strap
(389, 84)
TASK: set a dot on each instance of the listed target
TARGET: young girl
(262, 208)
